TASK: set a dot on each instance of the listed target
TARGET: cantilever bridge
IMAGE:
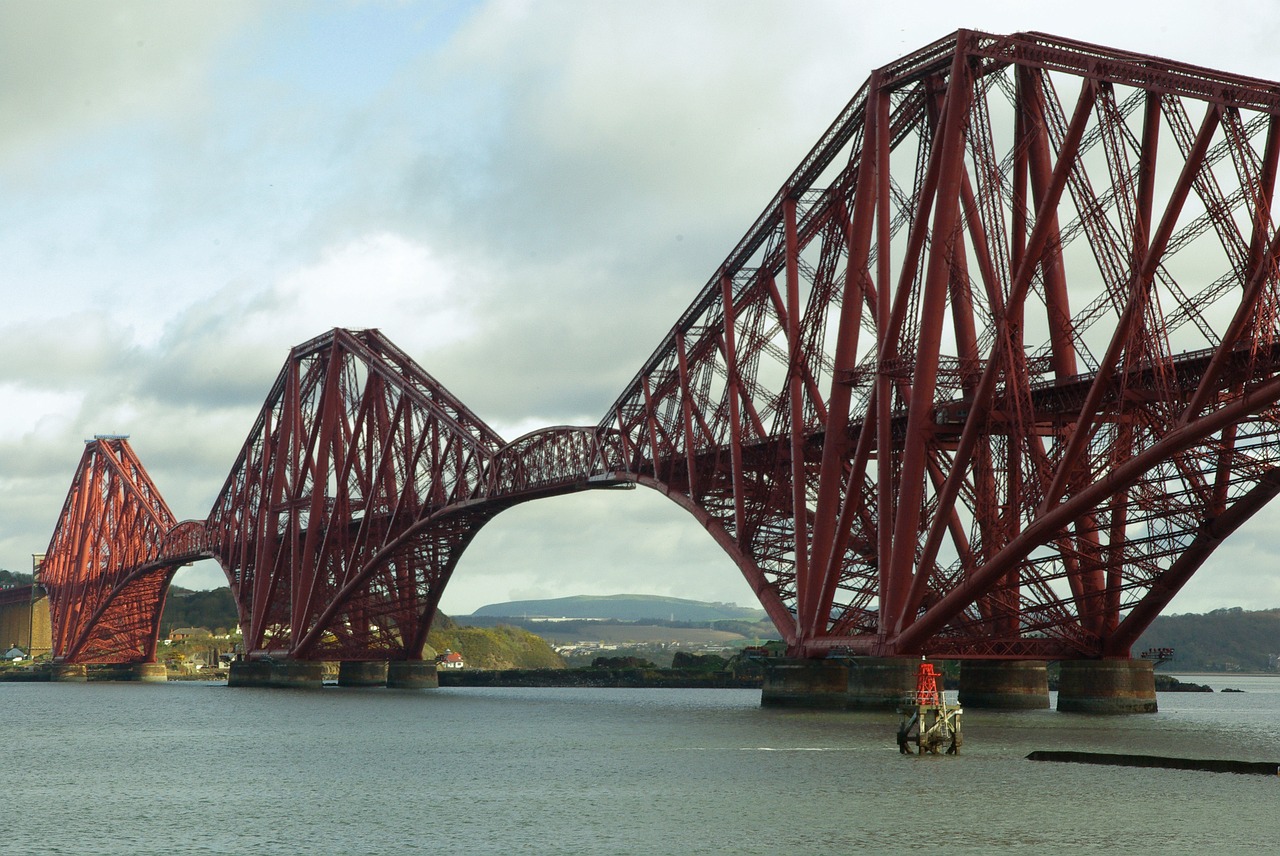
(991, 376)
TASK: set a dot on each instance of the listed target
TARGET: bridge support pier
(1107, 686)
(75, 673)
(278, 674)
(881, 683)
(297, 674)
(148, 673)
(412, 675)
(859, 683)
(362, 673)
(805, 683)
(249, 673)
(1004, 684)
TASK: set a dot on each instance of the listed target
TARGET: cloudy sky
(523, 196)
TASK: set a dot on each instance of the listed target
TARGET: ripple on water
(202, 769)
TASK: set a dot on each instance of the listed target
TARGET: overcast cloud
(524, 196)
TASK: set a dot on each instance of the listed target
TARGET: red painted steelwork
(927, 694)
(358, 488)
(106, 590)
(996, 369)
(326, 525)
(992, 375)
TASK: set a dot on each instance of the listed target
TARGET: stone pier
(805, 683)
(1107, 686)
(278, 674)
(150, 673)
(881, 683)
(77, 672)
(846, 683)
(69, 673)
(1004, 684)
(362, 673)
(412, 675)
(249, 673)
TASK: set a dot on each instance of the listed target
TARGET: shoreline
(611, 678)
(615, 678)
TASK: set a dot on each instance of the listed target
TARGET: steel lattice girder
(991, 376)
(359, 487)
(994, 371)
(106, 591)
(354, 443)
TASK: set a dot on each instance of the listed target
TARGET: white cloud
(594, 543)
(69, 68)
(379, 280)
(524, 204)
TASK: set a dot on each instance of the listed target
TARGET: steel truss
(356, 493)
(992, 375)
(995, 371)
(106, 591)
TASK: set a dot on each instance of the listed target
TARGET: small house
(450, 660)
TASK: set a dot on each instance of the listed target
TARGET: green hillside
(213, 610)
(14, 578)
(622, 607)
(498, 647)
(1222, 640)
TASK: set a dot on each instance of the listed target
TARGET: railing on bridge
(556, 458)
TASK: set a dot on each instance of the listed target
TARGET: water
(202, 769)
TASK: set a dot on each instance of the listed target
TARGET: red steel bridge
(991, 376)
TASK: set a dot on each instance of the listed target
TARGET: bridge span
(990, 378)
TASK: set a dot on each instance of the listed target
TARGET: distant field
(623, 607)
(631, 633)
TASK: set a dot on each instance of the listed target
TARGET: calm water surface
(201, 769)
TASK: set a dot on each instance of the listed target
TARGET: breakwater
(1111, 759)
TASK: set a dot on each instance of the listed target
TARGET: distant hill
(213, 610)
(13, 578)
(1222, 640)
(492, 647)
(621, 607)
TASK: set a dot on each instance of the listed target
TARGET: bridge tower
(995, 370)
(105, 588)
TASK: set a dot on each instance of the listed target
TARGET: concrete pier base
(362, 673)
(150, 673)
(1107, 686)
(412, 675)
(249, 673)
(881, 683)
(858, 683)
(297, 674)
(279, 674)
(805, 683)
(1004, 684)
(69, 673)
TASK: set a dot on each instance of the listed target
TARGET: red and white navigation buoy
(927, 721)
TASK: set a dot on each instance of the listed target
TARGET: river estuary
(193, 768)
